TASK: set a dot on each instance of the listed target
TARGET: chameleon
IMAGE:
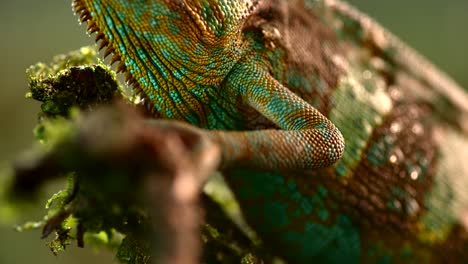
(341, 143)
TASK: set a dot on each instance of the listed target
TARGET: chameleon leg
(308, 139)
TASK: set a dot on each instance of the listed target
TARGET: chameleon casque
(340, 143)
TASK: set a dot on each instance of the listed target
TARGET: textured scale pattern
(271, 81)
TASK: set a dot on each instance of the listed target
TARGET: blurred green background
(33, 31)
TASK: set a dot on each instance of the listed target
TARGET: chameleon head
(171, 49)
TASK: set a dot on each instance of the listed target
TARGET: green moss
(74, 79)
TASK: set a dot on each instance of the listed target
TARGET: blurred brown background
(33, 31)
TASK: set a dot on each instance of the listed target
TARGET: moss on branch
(121, 172)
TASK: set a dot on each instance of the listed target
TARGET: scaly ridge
(105, 44)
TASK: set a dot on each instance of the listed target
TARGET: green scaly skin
(270, 82)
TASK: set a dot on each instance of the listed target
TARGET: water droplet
(414, 174)
(395, 127)
(393, 158)
(417, 129)
(395, 93)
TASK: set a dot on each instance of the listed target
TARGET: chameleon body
(274, 83)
